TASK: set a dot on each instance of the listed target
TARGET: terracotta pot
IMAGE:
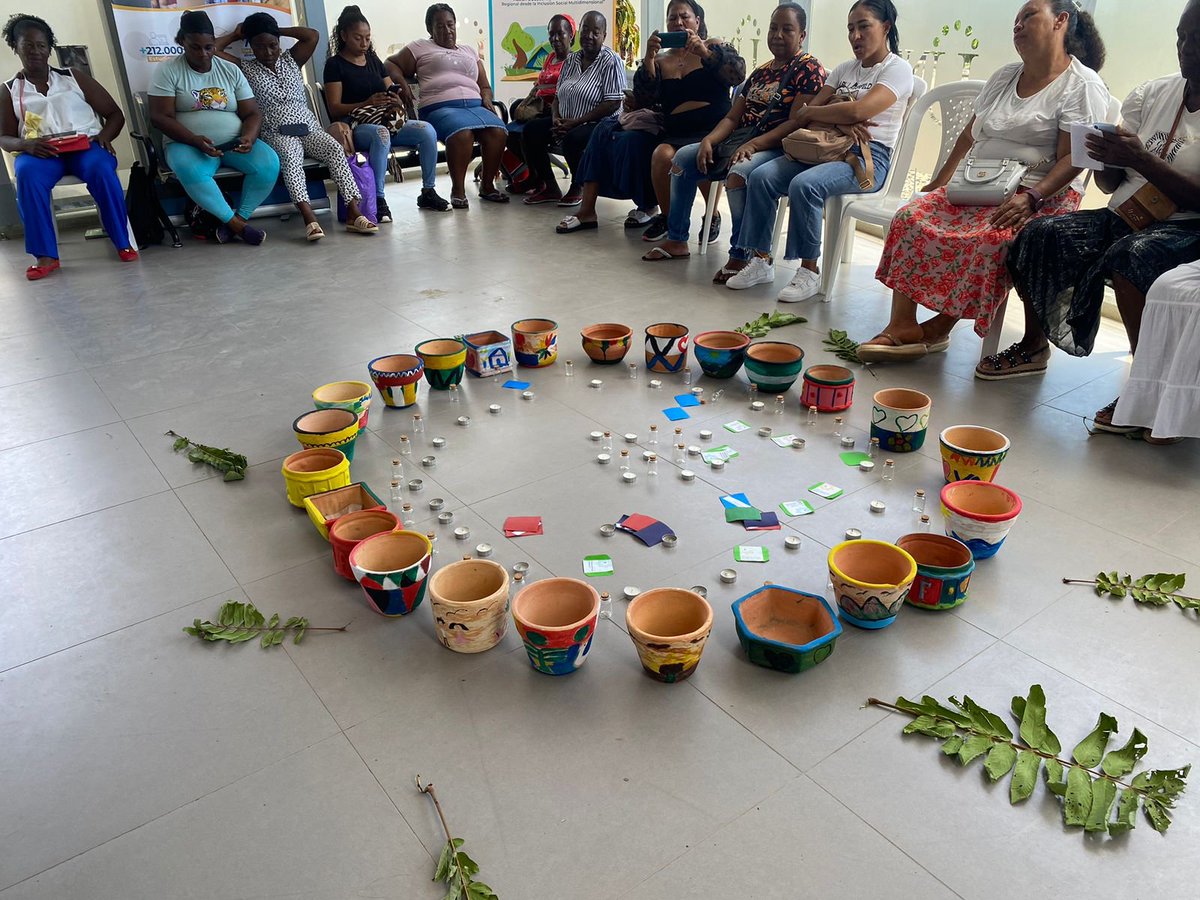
(669, 628)
(720, 353)
(666, 347)
(536, 342)
(346, 532)
(900, 418)
(336, 428)
(972, 453)
(556, 618)
(445, 361)
(828, 388)
(470, 604)
(785, 629)
(326, 508)
(944, 567)
(980, 514)
(396, 376)
(773, 365)
(870, 580)
(309, 472)
(607, 343)
(488, 353)
(352, 395)
(392, 570)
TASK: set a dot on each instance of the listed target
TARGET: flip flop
(570, 224)
(542, 197)
(939, 346)
(569, 201)
(897, 352)
(460, 203)
(661, 254)
(1159, 442)
(493, 197)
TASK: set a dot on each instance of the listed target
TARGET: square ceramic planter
(785, 629)
(488, 353)
(326, 508)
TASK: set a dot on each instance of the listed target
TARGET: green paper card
(599, 564)
(742, 514)
(854, 457)
(751, 554)
(723, 453)
(797, 508)
(826, 490)
(783, 440)
(736, 426)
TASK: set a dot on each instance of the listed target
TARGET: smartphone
(673, 40)
(1105, 127)
(393, 89)
(298, 129)
(228, 145)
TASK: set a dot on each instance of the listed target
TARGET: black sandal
(1015, 362)
(1103, 421)
(494, 197)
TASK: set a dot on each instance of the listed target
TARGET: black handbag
(723, 152)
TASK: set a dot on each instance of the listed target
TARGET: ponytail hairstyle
(698, 12)
(885, 11)
(1082, 39)
(350, 17)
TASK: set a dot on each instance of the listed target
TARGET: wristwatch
(1038, 200)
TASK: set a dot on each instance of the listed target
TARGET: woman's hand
(653, 46)
(487, 102)
(932, 186)
(704, 156)
(1122, 149)
(104, 143)
(1013, 212)
(744, 152)
(381, 98)
(341, 131)
(39, 148)
(204, 145)
(696, 45)
(243, 144)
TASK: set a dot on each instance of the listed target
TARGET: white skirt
(1163, 393)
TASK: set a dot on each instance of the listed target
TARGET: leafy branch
(240, 622)
(220, 458)
(1094, 781)
(1153, 590)
(454, 866)
(844, 348)
(759, 327)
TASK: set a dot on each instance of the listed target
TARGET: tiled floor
(137, 763)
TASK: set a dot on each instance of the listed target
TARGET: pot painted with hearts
(488, 353)
(666, 347)
(972, 453)
(346, 532)
(720, 354)
(536, 342)
(606, 343)
(469, 599)
(309, 472)
(352, 395)
(828, 388)
(980, 514)
(944, 567)
(773, 366)
(335, 428)
(870, 580)
(445, 361)
(556, 618)
(396, 376)
(669, 628)
(392, 569)
(785, 629)
(900, 418)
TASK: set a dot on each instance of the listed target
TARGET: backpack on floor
(201, 222)
(143, 208)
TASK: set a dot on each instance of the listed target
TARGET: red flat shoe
(36, 273)
(128, 255)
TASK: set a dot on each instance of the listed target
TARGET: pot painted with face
(669, 628)
(900, 418)
(870, 580)
(556, 618)
(944, 568)
(469, 599)
(392, 569)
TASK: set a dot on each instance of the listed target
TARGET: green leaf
(273, 622)
(1078, 801)
(1024, 776)
(1171, 583)
(982, 720)
(1000, 760)
(266, 640)
(477, 890)
(443, 864)
(1157, 815)
(1032, 718)
(180, 443)
(1104, 793)
(299, 635)
(930, 726)
(930, 707)
(468, 865)
(1089, 751)
(974, 746)
(1119, 763)
(1127, 805)
(1054, 778)
(952, 744)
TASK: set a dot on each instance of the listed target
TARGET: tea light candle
(461, 533)
(847, 442)
(440, 442)
(765, 431)
(728, 576)
(436, 503)
(596, 435)
(429, 461)
(798, 443)
(446, 518)
(631, 438)
(604, 458)
(527, 395)
(699, 589)
(595, 383)
(853, 534)
(629, 477)
(758, 406)
(494, 409)
(630, 592)
(791, 542)
(717, 465)
(693, 450)
(415, 485)
(608, 530)
(655, 384)
(878, 506)
(483, 551)
(705, 434)
(866, 466)
(687, 474)
(520, 567)
(669, 541)
(463, 420)
(697, 391)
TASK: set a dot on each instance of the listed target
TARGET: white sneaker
(804, 284)
(760, 271)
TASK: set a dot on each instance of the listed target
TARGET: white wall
(396, 22)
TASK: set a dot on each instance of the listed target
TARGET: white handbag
(991, 173)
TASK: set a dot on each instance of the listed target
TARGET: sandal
(1015, 362)
(362, 225)
(543, 196)
(895, 351)
(662, 254)
(313, 232)
(570, 224)
(570, 200)
(939, 346)
(460, 203)
(1102, 420)
(1159, 442)
(36, 273)
(493, 197)
(635, 218)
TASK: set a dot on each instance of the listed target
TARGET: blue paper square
(675, 414)
(516, 385)
(729, 501)
(686, 400)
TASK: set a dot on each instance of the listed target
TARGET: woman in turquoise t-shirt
(206, 111)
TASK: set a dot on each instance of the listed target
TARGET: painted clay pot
(488, 353)
(773, 365)
(392, 570)
(352, 395)
(666, 347)
(669, 628)
(980, 514)
(536, 342)
(785, 629)
(606, 343)
(346, 532)
(556, 618)
(396, 376)
(309, 472)
(828, 388)
(720, 354)
(445, 361)
(944, 567)
(470, 604)
(900, 418)
(870, 580)
(336, 428)
(327, 507)
(972, 453)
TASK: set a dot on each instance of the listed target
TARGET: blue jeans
(378, 143)
(807, 187)
(195, 171)
(684, 178)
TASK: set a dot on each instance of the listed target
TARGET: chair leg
(991, 343)
(129, 230)
(714, 197)
(780, 217)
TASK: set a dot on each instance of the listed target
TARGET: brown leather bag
(1150, 205)
(827, 143)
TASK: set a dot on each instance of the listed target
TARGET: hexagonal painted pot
(785, 629)
(980, 514)
(445, 361)
(392, 570)
(773, 366)
(556, 618)
(870, 580)
(536, 342)
(669, 628)
(396, 376)
(972, 453)
(327, 507)
(720, 354)
(470, 604)
(606, 343)
(944, 567)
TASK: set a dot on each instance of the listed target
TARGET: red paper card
(637, 522)
(518, 526)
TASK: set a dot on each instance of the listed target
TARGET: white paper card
(1079, 153)
(784, 440)
(751, 554)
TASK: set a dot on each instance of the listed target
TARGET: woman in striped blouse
(590, 87)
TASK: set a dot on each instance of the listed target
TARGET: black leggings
(537, 138)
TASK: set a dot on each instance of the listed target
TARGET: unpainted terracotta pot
(720, 353)
(669, 628)
(900, 418)
(336, 428)
(666, 347)
(773, 366)
(972, 453)
(470, 604)
(392, 570)
(308, 472)
(556, 618)
(347, 531)
(944, 567)
(980, 514)
(606, 343)
(871, 580)
(536, 342)
(785, 629)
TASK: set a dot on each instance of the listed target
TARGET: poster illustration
(520, 39)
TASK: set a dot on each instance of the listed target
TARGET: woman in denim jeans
(878, 83)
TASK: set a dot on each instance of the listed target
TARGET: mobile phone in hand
(672, 40)
(1105, 127)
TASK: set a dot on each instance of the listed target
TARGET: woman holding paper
(950, 258)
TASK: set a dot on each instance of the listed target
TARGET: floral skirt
(949, 259)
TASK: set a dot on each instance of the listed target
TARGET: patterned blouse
(281, 96)
(802, 75)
